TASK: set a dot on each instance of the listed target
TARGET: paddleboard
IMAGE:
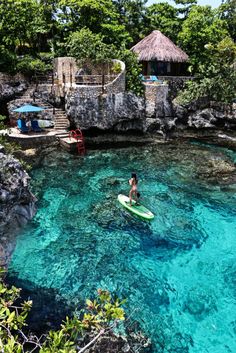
(139, 209)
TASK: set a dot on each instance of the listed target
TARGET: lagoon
(177, 272)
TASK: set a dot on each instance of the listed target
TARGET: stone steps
(61, 118)
(58, 115)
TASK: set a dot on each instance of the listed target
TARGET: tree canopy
(55, 27)
(201, 27)
(163, 17)
(216, 79)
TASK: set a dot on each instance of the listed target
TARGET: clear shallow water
(177, 272)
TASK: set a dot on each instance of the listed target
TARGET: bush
(2, 122)
(116, 68)
(46, 57)
(85, 45)
(216, 80)
(7, 60)
(30, 66)
(133, 71)
(99, 317)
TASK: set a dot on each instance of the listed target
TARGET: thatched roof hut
(160, 56)
(156, 46)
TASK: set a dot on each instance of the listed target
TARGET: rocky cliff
(11, 86)
(17, 204)
(120, 112)
(156, 112)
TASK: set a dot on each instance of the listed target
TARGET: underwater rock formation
(17, 203)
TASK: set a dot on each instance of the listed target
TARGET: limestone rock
(163, 103)
(202, 119)
(122, 111)
(10, 86)
(17, 204)
(203, 114)
(133, 341)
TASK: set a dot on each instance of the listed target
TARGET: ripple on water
(177, 272)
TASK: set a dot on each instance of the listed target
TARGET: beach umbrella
(28, 108)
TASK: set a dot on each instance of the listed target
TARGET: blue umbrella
(27, 108)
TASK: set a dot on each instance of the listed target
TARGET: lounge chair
(145, 79)
(35, 126)
(155, 79)
(22, 126)
(142, 77)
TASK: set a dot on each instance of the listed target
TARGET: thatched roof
(156, 46)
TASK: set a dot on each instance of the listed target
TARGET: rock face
(10, 86)
(133, 341)
(17, 204)
(122, 111)
(156, 112)
(203, 114)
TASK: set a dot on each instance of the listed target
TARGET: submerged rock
(217, 166)
(133, 341)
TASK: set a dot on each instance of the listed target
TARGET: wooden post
(103, 78)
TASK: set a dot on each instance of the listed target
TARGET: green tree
(7, 60)
(185, 7)
(133, 71)
(99, 16)
(164, 18)
(12, 318)
(201, 27)
(32, 66)
(21, 22)
(85, 45)
(131, 15)
(216, 79)
(227, 12)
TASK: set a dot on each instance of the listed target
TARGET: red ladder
(78, 136)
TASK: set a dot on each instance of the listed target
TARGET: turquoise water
(177, 272)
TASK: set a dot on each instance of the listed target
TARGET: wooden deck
(70, 143)
(33, 139)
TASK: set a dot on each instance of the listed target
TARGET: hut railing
(94, 80)
(175, 78)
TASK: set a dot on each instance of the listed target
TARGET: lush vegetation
(103, 29)
(216, 78)
(100, 316)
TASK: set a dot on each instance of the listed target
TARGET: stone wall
(157, 99)
(65, 70)
(90, 91)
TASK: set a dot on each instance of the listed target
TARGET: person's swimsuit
(134, 185)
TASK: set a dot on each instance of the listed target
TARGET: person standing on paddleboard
(133, 182)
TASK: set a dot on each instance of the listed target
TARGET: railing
(94, 80)
(40, 78)
(175, 78)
